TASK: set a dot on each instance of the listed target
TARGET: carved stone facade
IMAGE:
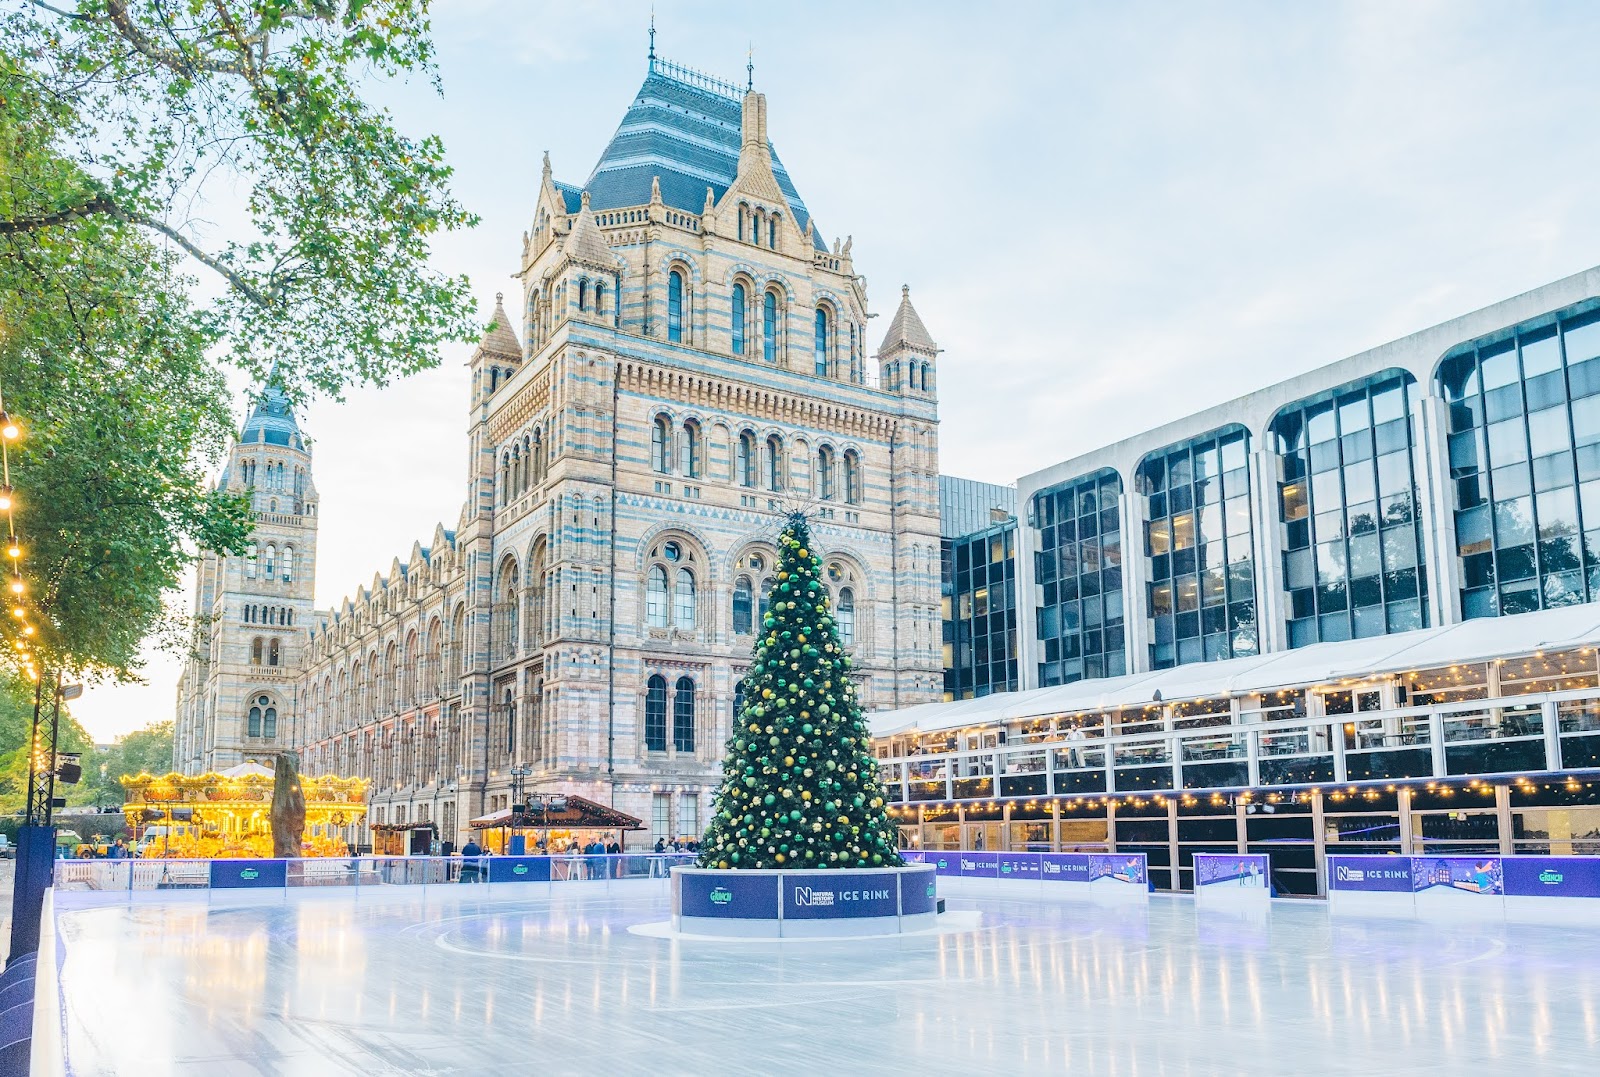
(693, 367)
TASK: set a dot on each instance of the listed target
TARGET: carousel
(216, 816)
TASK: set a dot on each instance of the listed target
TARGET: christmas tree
(799, 784)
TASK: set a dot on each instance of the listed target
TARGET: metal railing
(1524, 734)
(143, 875)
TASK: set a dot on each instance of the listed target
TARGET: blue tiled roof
(687, 135)
(272, 421)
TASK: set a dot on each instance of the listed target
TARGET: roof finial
(652, 31)
(499, 298)
(750, 67)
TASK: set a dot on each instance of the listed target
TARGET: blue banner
(918, 892)
(833, 895)
(237, 874)
(1371, 874)
(914, 856)
(518, 869)
(728, 895)
(978, 865)
(1552, 876)
(1064, 867)
(1018, 865)
(1230, 869)
(947, 863)
(1470, 874)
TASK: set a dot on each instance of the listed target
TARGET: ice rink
(459, 981)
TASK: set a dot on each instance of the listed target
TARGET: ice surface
(461, 981)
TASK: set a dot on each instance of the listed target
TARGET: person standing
(470, 867)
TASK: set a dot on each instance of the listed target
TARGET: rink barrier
(1112, 876)
(1536, 889)
(1232, 880)
(145, 875)
(785, 903)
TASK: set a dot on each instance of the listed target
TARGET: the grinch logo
(721, 896)
(249, 873)
(519, 869)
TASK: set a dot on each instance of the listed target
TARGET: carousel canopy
(578, 814)
(248, 769)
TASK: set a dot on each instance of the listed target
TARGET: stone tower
(238, 697)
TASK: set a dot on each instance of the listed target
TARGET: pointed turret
(498, 339)
(272, 419)
(907, 355)
(585, 243)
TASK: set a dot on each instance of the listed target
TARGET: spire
(498, 339)
(272, 419)
(652, 31)
(585, 243)
(906, 329)
(750, 67)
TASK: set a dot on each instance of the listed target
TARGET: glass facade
(1079, 572)
(979, 583)
(1201, 598)
(1353, 561)
(1525, 464)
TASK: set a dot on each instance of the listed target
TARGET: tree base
(835, 903)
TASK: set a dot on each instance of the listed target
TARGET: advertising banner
(1552, 876)
(917, 892)
(1118, 867)
(239, 874)
(914, 856)
(1064, 867)
(1018, 865)
(1370, 874)
(945, 862)
(518, 869)
(978, 865)
(1469, 875)
(1230, 869)
(833, 895)
(728, 895)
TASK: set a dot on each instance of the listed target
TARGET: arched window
(744, 460)
(738, 700)
(689, 450)
(253, 722)
(655, 601)
(825, 473)
(739, 314)
(772, 231)
(744, 212)
(661, 444)
(527, 464)
(655, 714)
(250, 562)
(272, 562)
(538, 456)
(269, 718)
(855, 362)
(675, 305)
(844, 615)
(255, 651)
(505, 478)
(774, 463)
(273, 654)
(743, 607)
(769, 327)
(683, 601)
(820, 346)
(599, 298)
(683, 715)
(852, 478)
(583, 295)
(288, 564)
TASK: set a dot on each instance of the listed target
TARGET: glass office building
(978, 587)
(1357, 611)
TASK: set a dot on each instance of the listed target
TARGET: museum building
(1356, 611)
(692, 367)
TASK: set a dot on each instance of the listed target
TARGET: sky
(1109, 215)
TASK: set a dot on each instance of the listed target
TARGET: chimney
(753, 118)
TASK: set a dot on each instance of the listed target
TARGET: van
(7, 850)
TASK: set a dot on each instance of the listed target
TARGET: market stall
(229, 815)
(552, 824)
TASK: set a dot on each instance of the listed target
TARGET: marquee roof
(1323, 663)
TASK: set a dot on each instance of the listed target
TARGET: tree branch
(148, 47)
(210, 261)
(97, 204)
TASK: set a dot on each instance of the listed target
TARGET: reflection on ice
(465, 981)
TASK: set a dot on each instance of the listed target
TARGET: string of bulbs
(10, 433)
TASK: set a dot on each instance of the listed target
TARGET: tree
(144, 751)
(799, 784)
(119, 119)
(160, 106)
